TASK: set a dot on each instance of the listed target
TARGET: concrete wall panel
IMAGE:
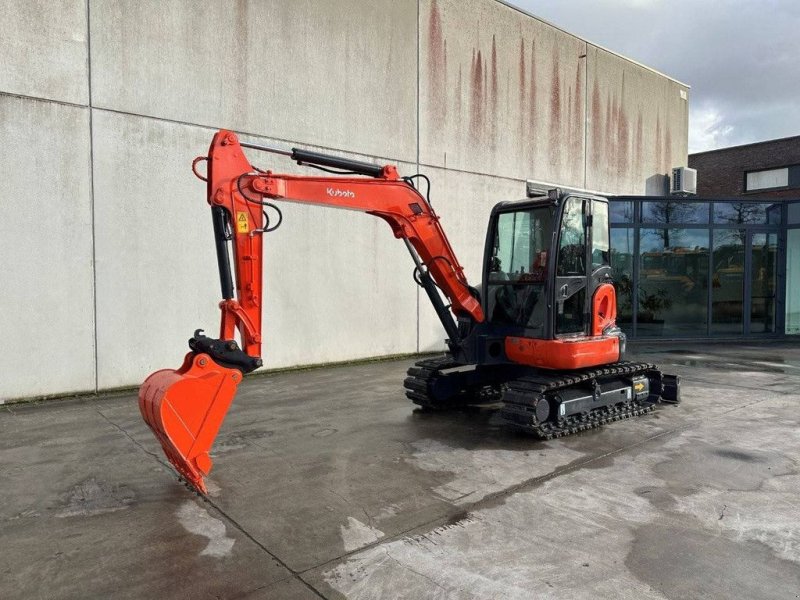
(463, 201)
(44, 49)
(500, 92)
(337, 284)
(638, 126)
(46, 231)
(336, 74)
(500, 96)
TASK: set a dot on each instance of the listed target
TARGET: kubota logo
(334, 193)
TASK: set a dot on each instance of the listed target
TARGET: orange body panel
(604, 308)
(578, 352)
(564, 353)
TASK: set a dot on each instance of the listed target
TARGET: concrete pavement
(328, 484)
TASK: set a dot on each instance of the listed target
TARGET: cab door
(582, 263)
(573, 271)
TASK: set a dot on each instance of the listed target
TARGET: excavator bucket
(185, 409)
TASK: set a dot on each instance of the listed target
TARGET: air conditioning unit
(684, 181)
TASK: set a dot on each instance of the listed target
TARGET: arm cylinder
(218, 217)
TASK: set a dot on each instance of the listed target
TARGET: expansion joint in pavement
(233, 522)
(500, 496)
(457, 512)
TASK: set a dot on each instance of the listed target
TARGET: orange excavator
(538, 336)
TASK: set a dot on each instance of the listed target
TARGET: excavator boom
(549, 349)
(185, 407)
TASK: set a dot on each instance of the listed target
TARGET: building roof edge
(583, 39)
(738, 146)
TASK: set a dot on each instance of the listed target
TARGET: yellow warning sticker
(242, 224)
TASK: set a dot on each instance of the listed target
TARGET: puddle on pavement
(722, 467)
(197, 520)
(761, 363)
(680, 560)
(739, 367)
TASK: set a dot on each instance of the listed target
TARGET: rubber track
(424, 373)
(521, 394)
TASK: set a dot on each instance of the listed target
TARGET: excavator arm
(185, 407)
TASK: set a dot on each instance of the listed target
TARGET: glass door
(728, 281)
(793, 281)
(792, 287)
(763, 281)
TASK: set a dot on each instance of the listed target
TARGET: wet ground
(328, 484)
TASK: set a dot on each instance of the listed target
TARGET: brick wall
(721, 172)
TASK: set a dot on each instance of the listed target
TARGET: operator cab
(545, 258)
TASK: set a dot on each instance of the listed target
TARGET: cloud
(707, 129)
(739, 56)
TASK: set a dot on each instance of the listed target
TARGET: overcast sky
(741, 57)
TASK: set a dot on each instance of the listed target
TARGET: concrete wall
(109, 262)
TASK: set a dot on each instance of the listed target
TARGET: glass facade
(673, 281)
(687, 268)
(793, 281)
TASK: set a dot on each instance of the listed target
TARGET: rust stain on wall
(668, 151)
(597, 125)
(477, 97)
(443, 90)
(459, 87)
(242, 44)
(639, 145)
(555, 111)
(522, 87)
(570, 123)
(494, 78)
(577, 116)
(436, 66)
(532, 113)
(659, 143)
(623, 140)
(609, 140)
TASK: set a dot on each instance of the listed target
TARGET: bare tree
(666, 212)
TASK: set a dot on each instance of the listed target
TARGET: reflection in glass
(763, 279)
(673, 282)
(673, 211)
(622, 272)
(727, 281)
(793, 210)
(621, 211)
(600, 242)
(746, 213)
(572, 241)
(792, 281)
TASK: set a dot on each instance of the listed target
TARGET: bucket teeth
(185, 408)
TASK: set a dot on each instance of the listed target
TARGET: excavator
(538, 336)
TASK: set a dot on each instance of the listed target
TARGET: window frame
(789, 178)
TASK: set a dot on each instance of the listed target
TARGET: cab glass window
(572, 244)
(600, 242)
(520, 246)
(517, 269)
